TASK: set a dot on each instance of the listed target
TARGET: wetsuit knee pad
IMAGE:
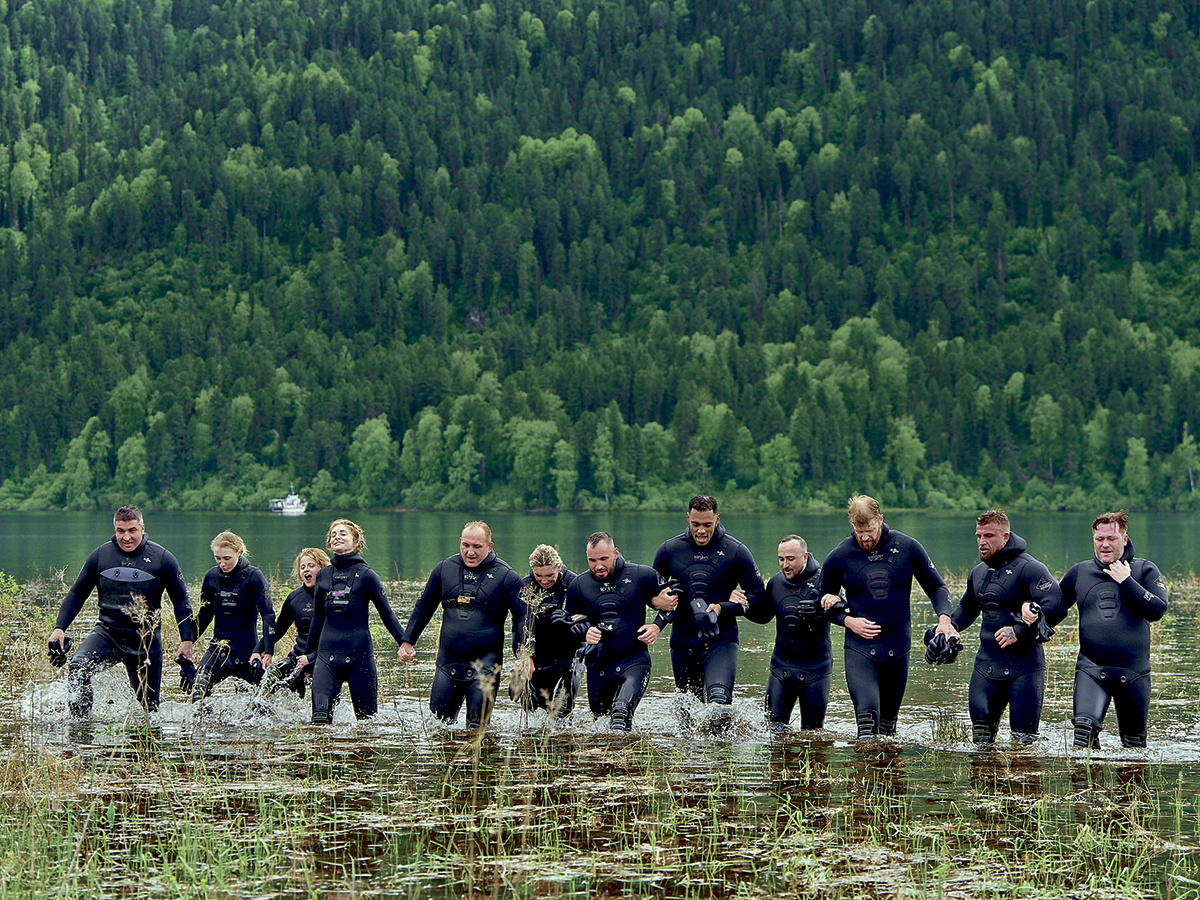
(1087, 732)
(323, 717)
(718, 693)
(868, 725)
(1024, 738)
(621, 718)
(982, 732)
(1133, 740)
(887, 727)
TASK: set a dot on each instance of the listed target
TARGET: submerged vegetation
(196, 805)
(597, 253)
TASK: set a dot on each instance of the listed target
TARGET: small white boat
(291, 505)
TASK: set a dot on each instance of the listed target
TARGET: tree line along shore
(598, 254)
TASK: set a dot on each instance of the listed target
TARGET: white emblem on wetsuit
(146, 559)
(1045, 584)
(490, 575)
(627, 581)
(1160, 584)
(1008, 571)
(894, 550)
(720, 553)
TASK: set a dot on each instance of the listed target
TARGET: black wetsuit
(1015, 676)
(339, 642)
(554, 683)
(802, 661)
(878, 585)
(475, 603)
(298, 608)
(129, 588)
(619, 666)
(1114, 644)
(704, 654)
(232, 602)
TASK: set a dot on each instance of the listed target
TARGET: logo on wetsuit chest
(227, 599)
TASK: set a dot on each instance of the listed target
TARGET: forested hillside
(588, 252)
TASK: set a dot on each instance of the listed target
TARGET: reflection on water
(239, 796)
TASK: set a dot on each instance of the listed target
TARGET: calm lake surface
(407, 544)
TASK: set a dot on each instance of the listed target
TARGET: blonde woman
(299, 608)
(232, 596)
(339, 641)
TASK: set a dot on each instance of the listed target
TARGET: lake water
(260, 804)
(407, 544)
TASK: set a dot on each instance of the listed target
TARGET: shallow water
(240, 797)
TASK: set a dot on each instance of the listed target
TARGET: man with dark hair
(1119, 595)
(1008, 588)
(717, 578)
(876, 567)
(129, 575)
(608, 604)
(802, 661)
(477, 591)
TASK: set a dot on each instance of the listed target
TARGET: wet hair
(356, 534)
(316, 554)
(596, 538)
(230, 540)
(128, 514)
(703, 503)
(994, 516)
(862, 510)
(482, 526)
(544, 555)
(799, 540)
(1120, 518)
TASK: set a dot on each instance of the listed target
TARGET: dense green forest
(589, 253)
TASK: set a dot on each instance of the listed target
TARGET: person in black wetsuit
(553, 644)
(1119, 595)
(1006, 588)
(339, 644)
(477, 590)
(129, 575)
(232, 595)
(717, 578)
(299, 608)
(876, 567)
(611, 599)
(802, 661)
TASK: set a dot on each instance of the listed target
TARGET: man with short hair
(552, 644)
(802, 660)
(477, 590)
(129, 575)
(876, 567)
(1119, 595)
(611, 599)
(717, 578)
(1008, 589)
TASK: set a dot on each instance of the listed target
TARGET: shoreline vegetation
(502, 255)
(371, 810)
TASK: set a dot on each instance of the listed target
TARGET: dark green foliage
(598, 255)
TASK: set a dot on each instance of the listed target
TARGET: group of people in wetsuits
(700, 582)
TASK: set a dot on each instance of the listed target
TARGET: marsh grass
(419, 811)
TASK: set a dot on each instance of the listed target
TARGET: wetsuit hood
(618, 567)
(1126, 556)
(1015, 547)
(342, 561)
(810, 569)
(487, 561)
(718, 533)
(135, 550)
(884, 532)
